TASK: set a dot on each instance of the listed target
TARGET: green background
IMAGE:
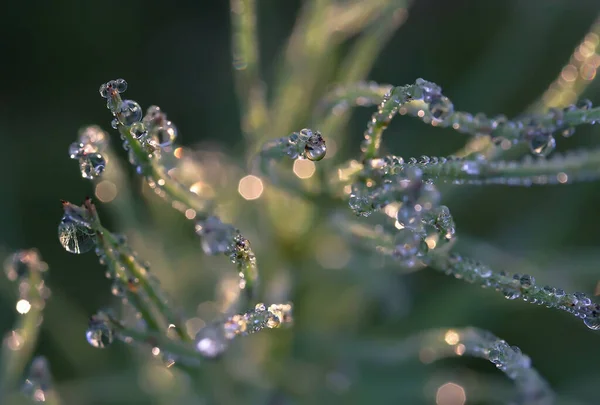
(489, 56)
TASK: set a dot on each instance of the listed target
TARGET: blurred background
(489, 56)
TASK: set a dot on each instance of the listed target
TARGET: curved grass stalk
(359, 61)
(148, 164)
(435, 108)
(565, 168)
(250, 88)
(515, 286)
(343, 97)
(137, 285)
(576, 75)
(436, 344)
(571, 82)
(26, 268)
(436, 256)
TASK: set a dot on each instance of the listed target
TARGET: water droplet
(542, 144)
(216, 236)
(75, 237)
(526, 281)
(154, 117)
(118, 288)
(99, 333)
(138, 130)
(592, 322)
(470, 167)
(315, 148)
(494, 356)
(120, 85)
(38, 381)
(163, 136)
(413, 174)
(305, 134)
(92, 165)
(408, 217)
(210, 341)
(409, 246)
(19, 265)
(104, 90)
(429, 197)
(584, 301)
(441, 108)
(130, 113)
(568, 132)
(511, 294)
(584, 104)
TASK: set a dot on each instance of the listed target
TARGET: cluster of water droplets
(126, 112)
(91, 143)
(514, 286)
(221, 238)
(75, 232)
(477, 170)
(532, 388)
(425, 100)
(212, 340)
(422, 221)
(38, 384)
(305, 144)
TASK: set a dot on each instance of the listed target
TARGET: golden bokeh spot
(451, 337)
(106, 191)
(304, 169)
(250, 187)
(450, 394)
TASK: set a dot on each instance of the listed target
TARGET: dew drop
(120, 85)
(305, 134)
(99, 333)
(441, 108)
(216, 236)
(511, 294)
(92, 165)
(542, 145)
(18, 265)
(154, 117)
(592, 322)
(429, 197)
(163, 136)
(138, 130)
(584, 104)
(75, 237)
(210, 341)
(38, 381)
(315, 148)
(130, 113)
(568, 132)
(118, 289)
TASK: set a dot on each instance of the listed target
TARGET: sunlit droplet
(99, 333)
(75, 237)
